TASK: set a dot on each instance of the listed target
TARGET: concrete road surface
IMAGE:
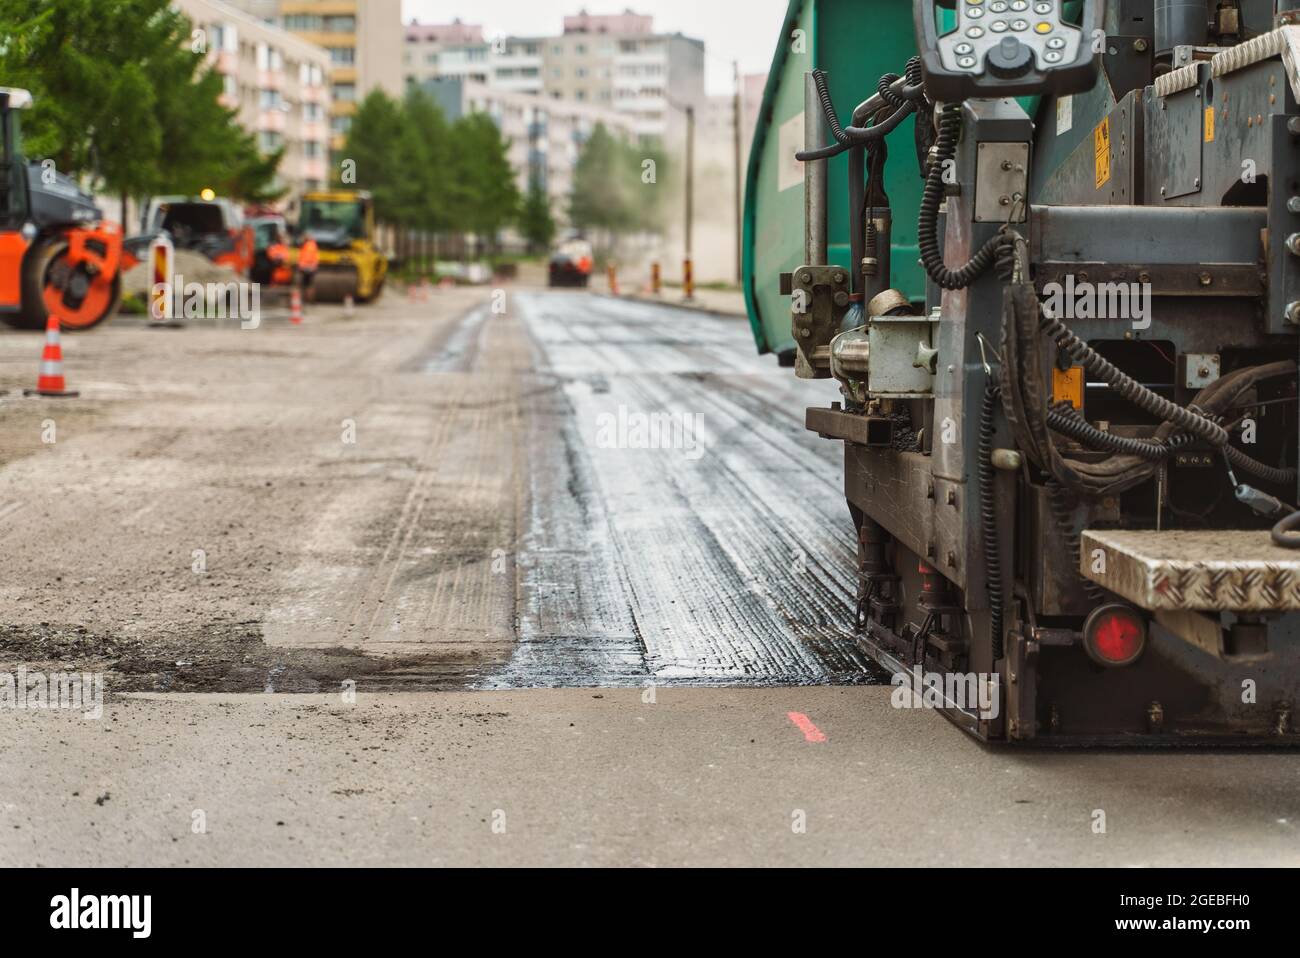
(585, 571)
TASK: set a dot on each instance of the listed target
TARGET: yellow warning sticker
(1101, 152)
(1209, 124)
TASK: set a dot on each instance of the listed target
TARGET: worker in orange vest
(308, 263)
(278, 254)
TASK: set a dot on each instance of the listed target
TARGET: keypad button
(974, 32)
(1056, 43)
(1051, 56)
(998, 26)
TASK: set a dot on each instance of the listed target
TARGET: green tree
(377, 153)
(124, 98)
(535, 219)
(427, 147)
(617, 187)
(484, 195)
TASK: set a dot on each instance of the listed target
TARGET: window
(343, 56)
(271, 100)
(303, 23)
(312, 112)
(341, 125)
(269, 141)
(311, 149)
(339, 24)
(345, 92)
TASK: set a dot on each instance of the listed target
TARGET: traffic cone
(51, 382)
(348, 305)
(295, 306)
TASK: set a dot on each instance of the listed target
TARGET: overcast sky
(744, 30)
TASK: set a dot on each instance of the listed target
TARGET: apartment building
(614, 62)
(364, 42)
(545, 136)
(716, 129)
(276, 81)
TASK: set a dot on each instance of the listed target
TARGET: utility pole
(736, 118)
(688, 279)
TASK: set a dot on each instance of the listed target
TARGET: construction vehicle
(58, 256)
(1053, 263)
(351, 264)
(209, 225)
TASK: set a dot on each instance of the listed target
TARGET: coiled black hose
(1063, 419)
(989, 515)
(1258, 469)
(1063, 513)
(927, 224)
(1183, 418)
(887, 94)
(1129, 388)
(846, 137)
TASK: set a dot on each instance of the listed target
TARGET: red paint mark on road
(810, 731)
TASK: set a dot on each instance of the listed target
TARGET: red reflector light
(1114, 635)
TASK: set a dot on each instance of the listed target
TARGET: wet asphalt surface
(724, 556)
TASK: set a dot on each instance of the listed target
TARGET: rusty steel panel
(1231, 570)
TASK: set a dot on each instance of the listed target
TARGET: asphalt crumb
(221, 657)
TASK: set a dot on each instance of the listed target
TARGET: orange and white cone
(295, 306)
(51, 381)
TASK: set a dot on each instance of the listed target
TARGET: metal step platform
(1233, 570)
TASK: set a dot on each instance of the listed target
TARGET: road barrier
(611, 273)
(688, 279)
(295, 306)
(656, 279)
(162, 264)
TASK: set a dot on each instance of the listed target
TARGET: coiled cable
(1185, 419)
(1062, 418)
(927, 224)
(989, 515)
(1063, 512)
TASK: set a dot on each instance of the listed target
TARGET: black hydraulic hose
(927, 226)
(989, 516)
(1287, 532)
(1129, 388)
(861, 136)
(1183, 418)
(1258, 469)
(905, 101)
(1063, 419)
(1063, 512)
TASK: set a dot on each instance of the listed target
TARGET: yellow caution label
(1209, 124)
(1101, 152)
(1067, 386)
